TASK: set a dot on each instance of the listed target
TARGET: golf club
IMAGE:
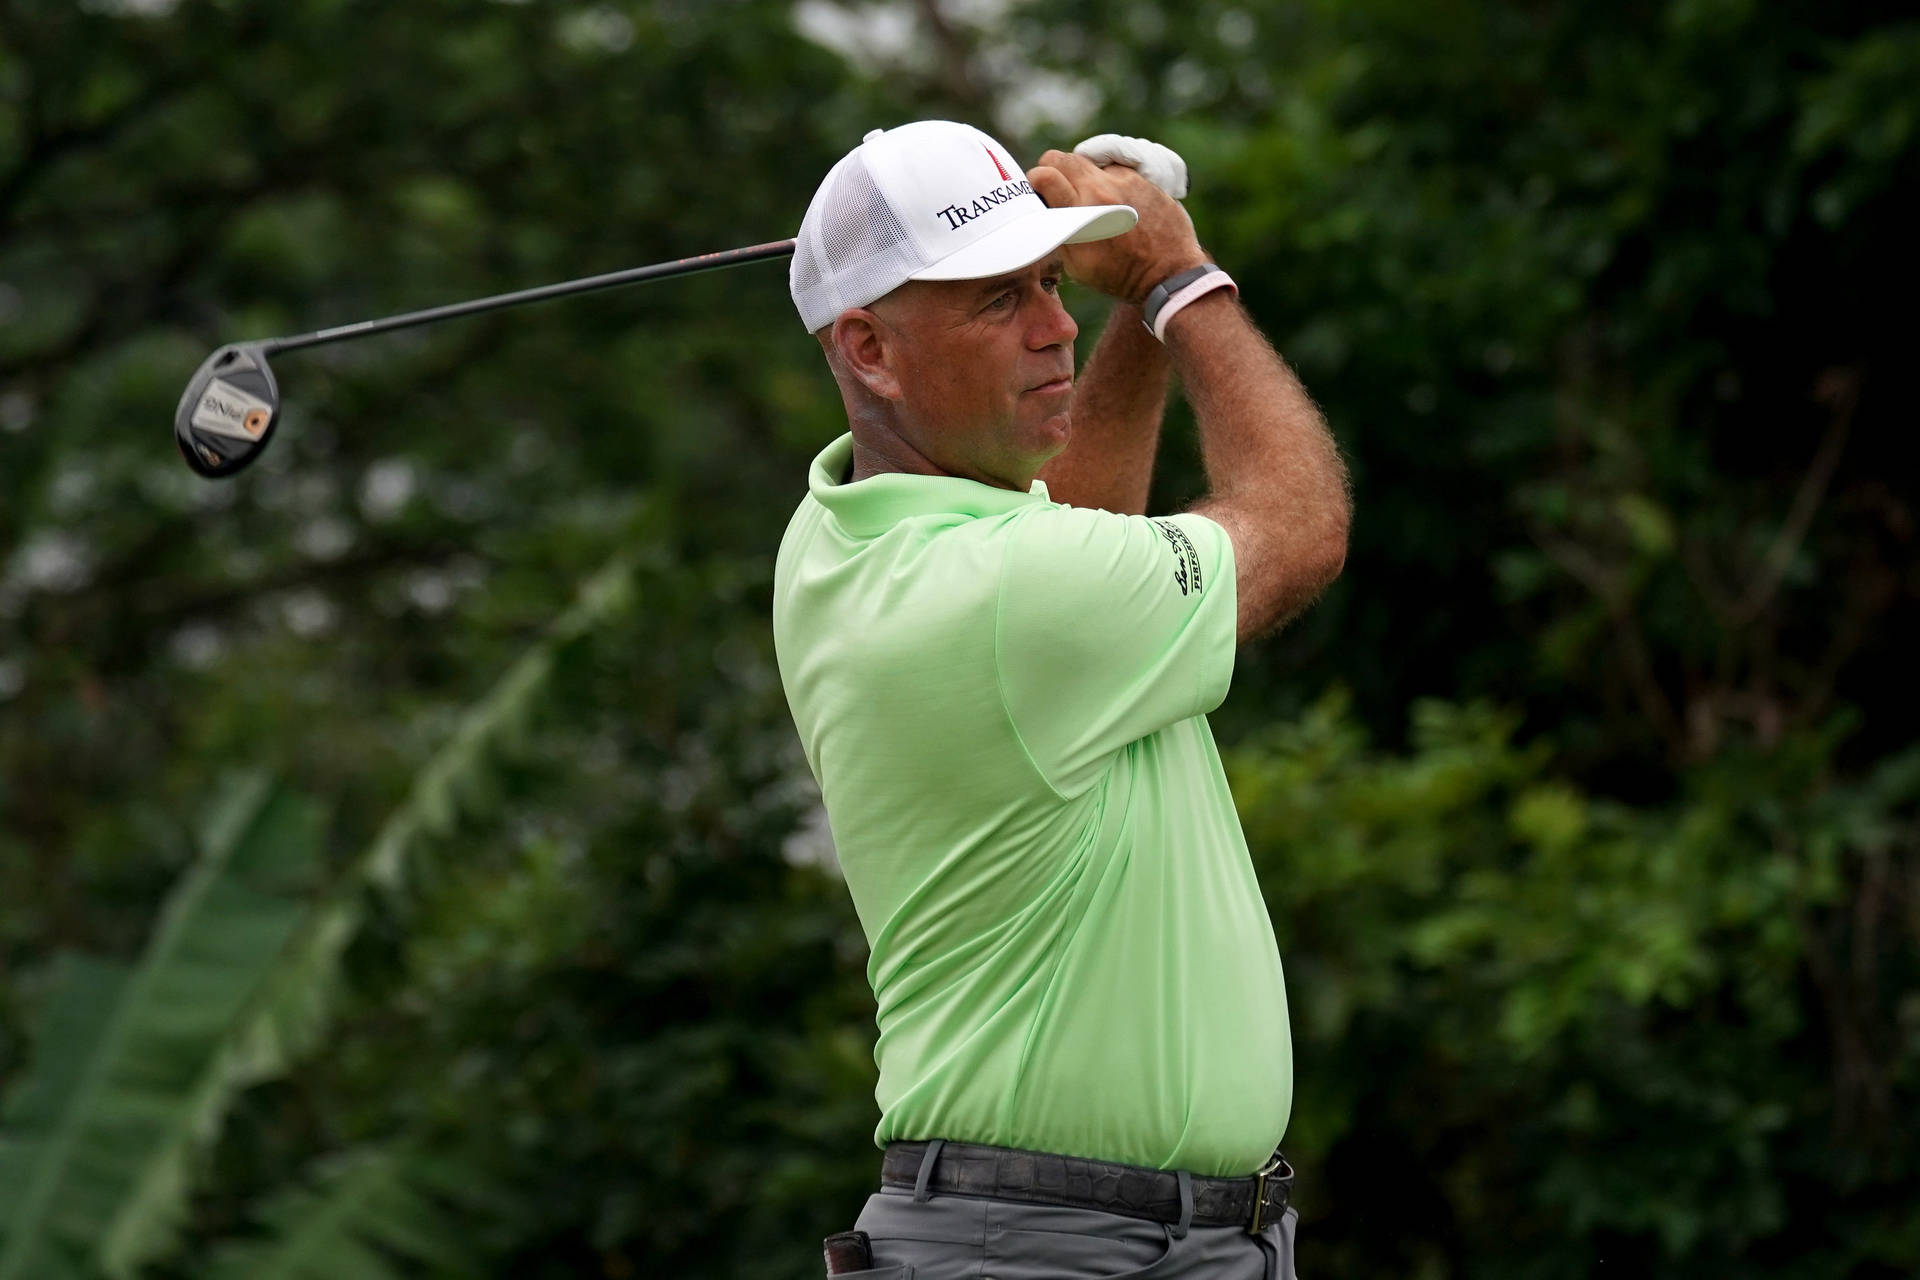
(232, 403)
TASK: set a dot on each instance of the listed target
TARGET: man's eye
(1002, 302)
(1051, 284)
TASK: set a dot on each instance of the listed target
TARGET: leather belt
(1037, 1177)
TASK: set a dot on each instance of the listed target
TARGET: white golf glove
(1160, 165)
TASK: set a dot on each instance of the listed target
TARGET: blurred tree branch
(1840, 390)
(954, 55)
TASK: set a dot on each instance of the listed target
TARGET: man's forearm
(1275, 475)
(1119, 401)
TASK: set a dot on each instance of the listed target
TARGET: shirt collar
(874, 505)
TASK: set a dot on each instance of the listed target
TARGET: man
(1000, 670)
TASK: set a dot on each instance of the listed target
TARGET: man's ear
(866, 345)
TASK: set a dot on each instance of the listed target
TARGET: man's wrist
(1178, 328)
(1179, 290)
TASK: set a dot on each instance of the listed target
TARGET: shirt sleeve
(1110, 628)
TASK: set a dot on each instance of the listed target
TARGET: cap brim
(1022, 243)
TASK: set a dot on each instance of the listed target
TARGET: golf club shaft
(684, 266)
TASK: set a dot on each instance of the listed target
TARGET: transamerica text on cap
(957, 214)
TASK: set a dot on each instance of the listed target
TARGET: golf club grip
(587, 284)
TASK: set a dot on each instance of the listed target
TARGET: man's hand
(1126, 267)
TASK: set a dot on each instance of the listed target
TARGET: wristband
(1167, 298)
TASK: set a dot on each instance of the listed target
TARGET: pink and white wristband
(1174, 293)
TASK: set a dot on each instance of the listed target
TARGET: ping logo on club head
(226, 410)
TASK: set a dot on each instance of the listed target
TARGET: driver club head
(228, 411)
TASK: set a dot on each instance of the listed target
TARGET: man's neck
(890, 454)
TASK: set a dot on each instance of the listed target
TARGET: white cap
(933, 200)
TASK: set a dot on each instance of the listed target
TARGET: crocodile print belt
(1037, 1177)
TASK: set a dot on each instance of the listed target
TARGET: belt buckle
(1255, 1224)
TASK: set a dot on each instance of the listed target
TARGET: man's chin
(1047, 439)
(1059, 427)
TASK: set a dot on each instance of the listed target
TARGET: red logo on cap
(1004, 175)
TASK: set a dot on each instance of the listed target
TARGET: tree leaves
(367, 1216)
(103, 1117)
(137, 1068)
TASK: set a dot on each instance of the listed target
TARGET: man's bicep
(1110, 628)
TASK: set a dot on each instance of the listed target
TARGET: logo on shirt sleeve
(1186, 560)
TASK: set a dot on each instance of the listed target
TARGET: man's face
(985, 369)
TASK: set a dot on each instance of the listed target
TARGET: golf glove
(1160, 165)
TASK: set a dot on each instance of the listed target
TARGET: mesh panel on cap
(852, 249)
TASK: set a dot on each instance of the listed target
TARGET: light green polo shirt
(1003, 699)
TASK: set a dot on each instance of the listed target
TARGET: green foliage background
(1587, 803)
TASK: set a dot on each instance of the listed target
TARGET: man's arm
(1275, 479)
(1118, 403)
(1276, 482)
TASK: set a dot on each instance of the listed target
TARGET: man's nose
(1055, 325)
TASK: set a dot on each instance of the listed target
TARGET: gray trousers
(930, 1236)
